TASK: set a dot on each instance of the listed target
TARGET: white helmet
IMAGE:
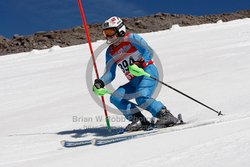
(117, 24)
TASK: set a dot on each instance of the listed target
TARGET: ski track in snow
(42, 90)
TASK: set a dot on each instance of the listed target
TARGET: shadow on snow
(100, 131)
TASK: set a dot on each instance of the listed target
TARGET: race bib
(129, 60)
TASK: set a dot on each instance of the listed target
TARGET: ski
(132, 135)
(66, 143)
(121, 136)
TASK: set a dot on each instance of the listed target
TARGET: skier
(127, 49)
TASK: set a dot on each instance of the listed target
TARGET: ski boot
(165, 119)
(139, 122)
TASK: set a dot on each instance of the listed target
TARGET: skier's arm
(110, 71)
(142, 46)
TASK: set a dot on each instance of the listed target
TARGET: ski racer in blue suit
(127, 49)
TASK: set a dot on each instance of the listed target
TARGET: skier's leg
(120, 99)
(145, 90)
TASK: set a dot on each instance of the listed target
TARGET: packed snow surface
(44, 98)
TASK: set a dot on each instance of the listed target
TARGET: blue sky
(26, 17)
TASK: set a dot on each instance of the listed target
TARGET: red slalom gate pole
(93, 59)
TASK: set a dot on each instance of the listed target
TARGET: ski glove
(139, 64)
(98, 88)
(99, 84)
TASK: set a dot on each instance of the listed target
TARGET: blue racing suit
(133, 48)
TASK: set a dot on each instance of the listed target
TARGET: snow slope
(41, 92)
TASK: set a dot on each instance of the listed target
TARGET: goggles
(109, 33)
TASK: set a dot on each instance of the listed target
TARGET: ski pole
(93, 59)
(136, 71)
